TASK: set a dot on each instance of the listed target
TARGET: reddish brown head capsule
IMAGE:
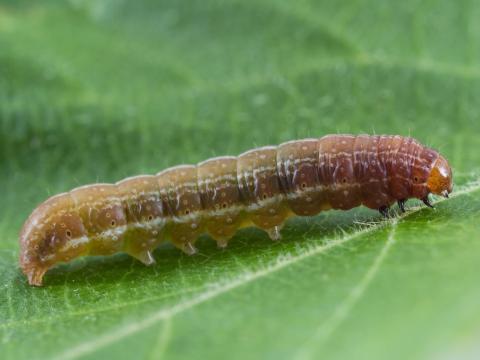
(262, 187)
(440, 179)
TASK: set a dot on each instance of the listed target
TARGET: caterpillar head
(439, 181)
(53, 233)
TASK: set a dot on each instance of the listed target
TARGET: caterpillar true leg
(384, 211)
(427, 202)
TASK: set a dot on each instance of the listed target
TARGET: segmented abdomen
(261, 187)
(265, 186)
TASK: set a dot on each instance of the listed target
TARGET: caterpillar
(262, 187)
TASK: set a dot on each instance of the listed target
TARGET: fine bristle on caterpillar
(261, 187)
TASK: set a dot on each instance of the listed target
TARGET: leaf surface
(97, 91)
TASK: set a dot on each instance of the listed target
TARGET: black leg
(401, 204)
(384, 211)
(427, 202)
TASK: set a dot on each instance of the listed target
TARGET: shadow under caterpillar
(262, 187)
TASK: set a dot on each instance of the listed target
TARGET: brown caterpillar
(262, 187)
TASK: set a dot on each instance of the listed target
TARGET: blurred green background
(100, 90)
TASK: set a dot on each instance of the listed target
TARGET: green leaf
(97, 91)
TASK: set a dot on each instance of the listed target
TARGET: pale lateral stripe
(251, 207)
(217, 178)
(195, 216)
(74, 243)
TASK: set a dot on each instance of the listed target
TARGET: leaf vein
(343, 310)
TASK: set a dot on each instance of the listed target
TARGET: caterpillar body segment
(261, 187)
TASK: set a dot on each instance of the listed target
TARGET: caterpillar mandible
(262, 187)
